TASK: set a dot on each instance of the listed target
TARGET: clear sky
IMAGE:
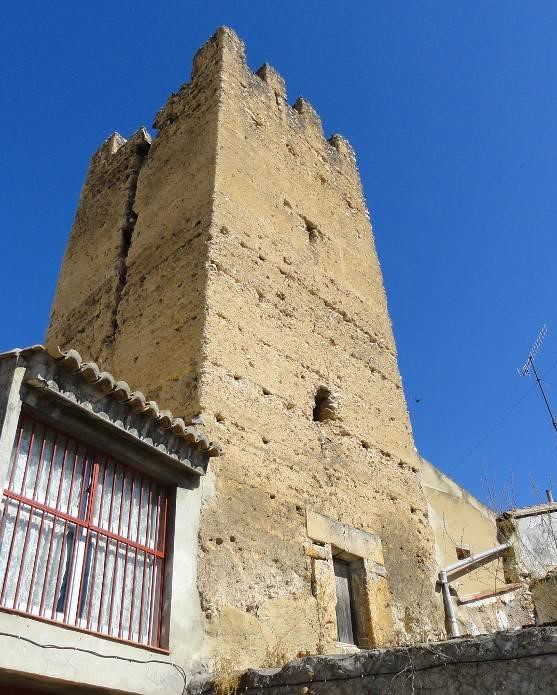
(452, 110)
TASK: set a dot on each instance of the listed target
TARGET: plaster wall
(544, 594)
(511, 607)
(533, 558)
(252, 281)
(460, 520)
(11, 377)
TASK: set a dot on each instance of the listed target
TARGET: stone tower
(228, 269)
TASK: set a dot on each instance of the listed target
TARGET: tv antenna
(529, 368)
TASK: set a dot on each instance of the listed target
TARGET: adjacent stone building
(228, 267)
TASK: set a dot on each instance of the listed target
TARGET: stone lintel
(365, 545)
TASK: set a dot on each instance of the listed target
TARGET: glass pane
(46, 467)
(28, 565)
(153, 517)
(67, 571)
(104, 618)
(42, 559)
(68, 478)
(57, 459)
(79, 484)
(34, 457)
(93, 615)
(135, 569)
(149, 592)
(19, 564)
(20, 460)
(146, 503)
(85, 582)
(135, 520)
(127, 505)
(53, 567)
(107, 502)
(7, 542)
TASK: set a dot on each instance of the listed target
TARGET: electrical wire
(101, 656)
(490, 432)
(498, 423)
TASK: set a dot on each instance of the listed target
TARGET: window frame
(82, 523)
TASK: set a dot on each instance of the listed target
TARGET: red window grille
(82, 538)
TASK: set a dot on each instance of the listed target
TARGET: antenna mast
(529, 368)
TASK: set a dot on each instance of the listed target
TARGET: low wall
(519, 661)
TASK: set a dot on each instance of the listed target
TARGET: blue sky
(452, 110)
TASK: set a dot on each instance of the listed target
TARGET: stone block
(359, 543)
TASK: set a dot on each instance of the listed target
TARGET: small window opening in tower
(312, 229)
(325, 405)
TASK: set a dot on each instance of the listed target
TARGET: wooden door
(344, 607)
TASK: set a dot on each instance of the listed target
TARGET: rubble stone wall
(521, 662)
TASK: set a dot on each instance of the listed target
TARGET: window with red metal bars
(82, 538)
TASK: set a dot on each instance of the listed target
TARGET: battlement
(301, 114)
(220, 66)
(275, 81)
(110, 146)
(116, 149)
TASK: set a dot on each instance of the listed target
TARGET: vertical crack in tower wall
(130, 219)
(161, 302)
(131, 294)
(94, 271)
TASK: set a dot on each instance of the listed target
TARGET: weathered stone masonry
(242, 282)
(95, 264)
